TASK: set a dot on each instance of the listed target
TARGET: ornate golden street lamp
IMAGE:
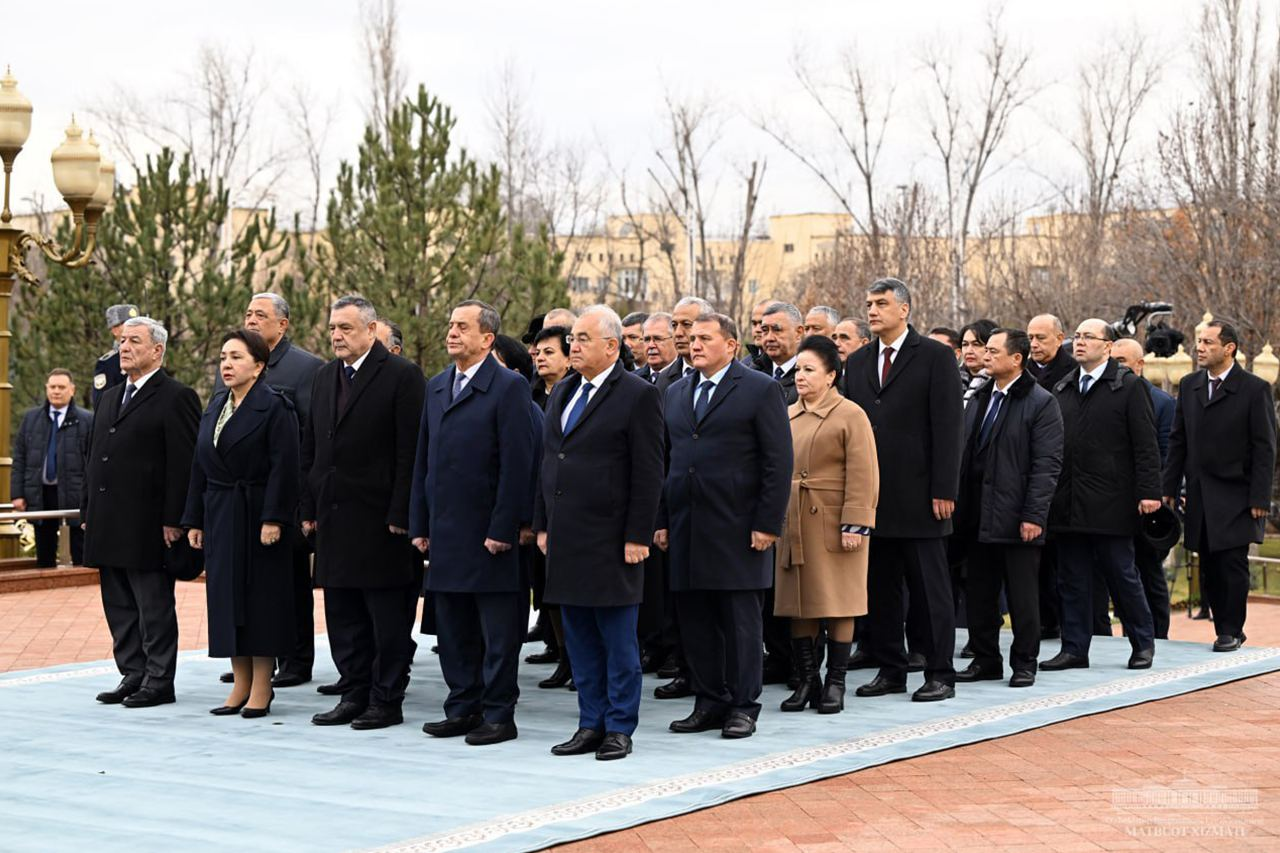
(86, 181)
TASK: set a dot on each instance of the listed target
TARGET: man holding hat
(106, 372)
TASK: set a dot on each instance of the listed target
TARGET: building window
(632, 283)
(753, 285)
(579, 284)
(788, 247)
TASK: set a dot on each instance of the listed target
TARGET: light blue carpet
(75, 775)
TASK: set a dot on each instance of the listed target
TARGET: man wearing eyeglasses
(658, 349)
(1110, 477)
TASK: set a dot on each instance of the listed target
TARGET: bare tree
(388, 79)
(311, 125)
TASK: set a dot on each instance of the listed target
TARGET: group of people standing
(748, 517)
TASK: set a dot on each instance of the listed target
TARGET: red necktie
(888, 362)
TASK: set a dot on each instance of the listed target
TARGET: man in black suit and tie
(1224, 443)
(906, 384)
(470, 498)
(594, 518)
(140, 452)
(687, 310)
(781, 330)
(358, 457)
(724, 501)
(658, 348)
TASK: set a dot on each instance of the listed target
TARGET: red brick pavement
(1052, 789)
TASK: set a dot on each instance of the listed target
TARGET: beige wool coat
(836, 480)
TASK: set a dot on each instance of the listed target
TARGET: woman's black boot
(832, 701)
(810, 684)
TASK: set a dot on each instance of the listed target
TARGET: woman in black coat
(243, 493)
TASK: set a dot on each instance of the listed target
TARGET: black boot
(810, 685)
(832, 701)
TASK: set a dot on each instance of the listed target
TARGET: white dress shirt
(897, 351)
(596, 384)
(715, 383)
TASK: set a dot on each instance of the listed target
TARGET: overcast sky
(596, 72)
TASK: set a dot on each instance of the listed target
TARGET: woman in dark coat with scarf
(242, 497)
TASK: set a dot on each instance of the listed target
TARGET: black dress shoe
(1224, 643)
(738, 725)
(966, 652)
(670, 668)
(378, 717)
(535, 634)
(916, 662)
(1142, 658)
(880, 686)
(453, 726)
(149, 697)
(227, 678)
(1202, 613)
(616, 745)
(1064, 660)
(228, 710)
(698, 721)
(973, 672)
(677, 688)
(490, 733)
(582, 742)
(560, 678)
(290, 679)
(342, 714)
(544, 656)
(335, 689)
(253, 713)
(934, 691)
(1021, 678)
(123, 691)
(861, 660)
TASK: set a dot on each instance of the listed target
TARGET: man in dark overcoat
(594, 519)
(358, 458)
(724, 501)
(906, 383)
(144, 435)
(1224, 444)
(470, 497)
(1110, 475)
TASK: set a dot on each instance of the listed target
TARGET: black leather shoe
(966, 652)
(934, 691)
(582, 742)
(123, 691)
(253, 713)
(149, 697)
(491, 733)
(1202, 613)
(973, 672)
(290, 679)
(678, 688)
(861, 660)
(342, 714)
(738, 725)
(1064, 660)
(544, 656)
(378, 717)
(335, 689)
(616, 745)
(453, 726)
(560, 678)
(916, 662)
(227, 678)
(1142, 658)
(1224, 643)
(1021, 678)
(880, 686)
(670, 667)
(228, 710)
(698, 721)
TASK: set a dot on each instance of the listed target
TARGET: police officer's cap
(117, 314)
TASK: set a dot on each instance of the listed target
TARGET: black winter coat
(1024, 459)
(139, 467)
(918, 420)
(1059, 366)
(1110, 457)
(1226, 449)
(358, 469)
(26, 478)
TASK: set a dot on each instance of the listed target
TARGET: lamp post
(86, 181)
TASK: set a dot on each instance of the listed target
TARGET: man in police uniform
(106, 372)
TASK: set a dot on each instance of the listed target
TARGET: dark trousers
(1078, 554)
(303, 657)
(47, 534)
(722, 631)
(1224, 583)
(1155, 586)
(777, 635)
(1050, 607)
(371, 639)
(1101, 612)
(139, 608)
(1017, 569)
(480, 635)
(922, 564)
(605, 656)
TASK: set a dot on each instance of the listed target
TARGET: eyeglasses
(1085, 336)
(655, 339)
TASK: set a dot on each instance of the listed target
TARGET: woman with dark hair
(241, 499)
(514, 356)
(822, 555)
(550, 361)
(973, 343)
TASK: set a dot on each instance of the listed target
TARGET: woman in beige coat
(822, 556)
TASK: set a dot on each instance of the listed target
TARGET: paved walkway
(1082, 785)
